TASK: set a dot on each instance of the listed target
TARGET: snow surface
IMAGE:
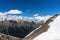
(53, 33)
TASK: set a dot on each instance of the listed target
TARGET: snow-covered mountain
(29, 30)
(53, 32)
(48, 31)
(18, 29)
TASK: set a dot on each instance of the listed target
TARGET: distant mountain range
(18, 28)
(23, 30)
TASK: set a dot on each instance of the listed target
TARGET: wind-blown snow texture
(53, 33)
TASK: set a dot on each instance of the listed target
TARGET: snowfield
(53, 33)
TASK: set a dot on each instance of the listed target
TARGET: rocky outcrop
(8, 37)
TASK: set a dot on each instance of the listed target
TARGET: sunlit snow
(53, 33)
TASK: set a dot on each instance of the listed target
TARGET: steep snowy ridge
(40, 29)
(53, 33)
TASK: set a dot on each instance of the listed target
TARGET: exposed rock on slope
(40, 30)
(8, 37)
(17, 28)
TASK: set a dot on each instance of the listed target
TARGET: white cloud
(44, 18)
(36, 15)
(11, 12)
(36, 18)
(17, 18)
(2, 14)
(14, 12)
(9, 17)
(2, 18)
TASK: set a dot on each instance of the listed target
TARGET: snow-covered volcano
(53, 32)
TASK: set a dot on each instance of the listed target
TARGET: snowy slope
(53, 33)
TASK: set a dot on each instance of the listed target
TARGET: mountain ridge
(35, 27)
(40, 30)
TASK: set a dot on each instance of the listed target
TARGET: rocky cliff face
(16, 29)
(8, 37)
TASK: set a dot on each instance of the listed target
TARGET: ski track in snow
(53, 33)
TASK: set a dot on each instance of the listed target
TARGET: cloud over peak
(36, 17)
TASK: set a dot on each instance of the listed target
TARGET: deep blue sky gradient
(42, 7)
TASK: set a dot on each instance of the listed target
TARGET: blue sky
(31, 7)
